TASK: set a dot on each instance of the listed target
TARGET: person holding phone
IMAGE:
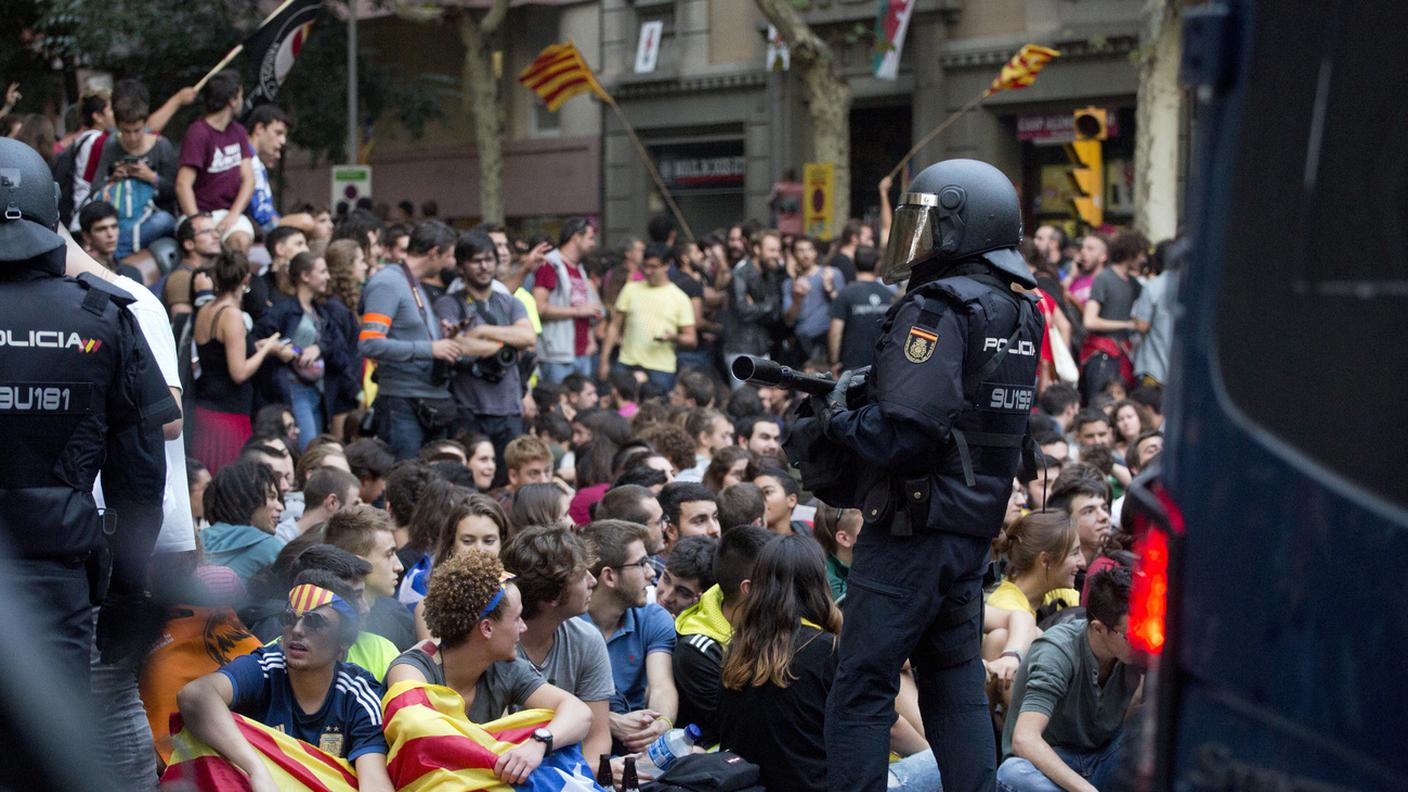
(137, 174)
(229, 358)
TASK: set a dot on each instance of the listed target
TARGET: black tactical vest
(63, 344)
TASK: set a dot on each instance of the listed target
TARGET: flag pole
(649, 166)
(936, 131)
(231, 55)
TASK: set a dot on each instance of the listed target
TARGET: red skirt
(219, 437)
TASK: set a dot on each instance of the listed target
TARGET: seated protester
(137, 174)
(556, 584)
(1066, 725)
(710, 430)
(728, 467)
(404, 485)
(1082, 492)
(371, 460)
(761, 434)
(592, 474)
(470, 521)
(482, 463)
(639, 635)
(327, 491)
(528, 461)
(741, 504)
(301, 688)
(668, 440)
(780, 492)
(688, 573)
(369, 651)
(1142, 453)
(99, 222)
(836, 532)
(433, 502)
(704, 629)
(636, 504)
(475, 612)
(690, 509)
(1043, 555)
(243, 506)
(1038, 479)
(365, 532)
(444, 451)
(540, 504)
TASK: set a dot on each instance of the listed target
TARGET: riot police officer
(943, 428)
(76, 392)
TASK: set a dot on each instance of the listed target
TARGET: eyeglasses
(312, 622)
(644, 564)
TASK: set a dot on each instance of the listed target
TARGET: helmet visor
(911, 236)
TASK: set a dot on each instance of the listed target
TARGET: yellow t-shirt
(652, 312)
(1009, 597)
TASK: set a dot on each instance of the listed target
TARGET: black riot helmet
(29, 203)
(954, 210)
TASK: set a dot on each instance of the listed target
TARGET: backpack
(722, 771)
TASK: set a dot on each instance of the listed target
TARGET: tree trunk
(1157, 124)
(828, 98)
(480, 93)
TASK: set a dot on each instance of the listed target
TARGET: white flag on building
(891, 22)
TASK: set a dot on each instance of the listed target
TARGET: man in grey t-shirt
(1065, 729)
(553, 577)
(1153, 316)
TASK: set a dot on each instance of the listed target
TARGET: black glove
(848, 386)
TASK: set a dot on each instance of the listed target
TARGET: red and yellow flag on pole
(560, 73)
(1021, 71)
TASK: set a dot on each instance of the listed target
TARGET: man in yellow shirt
(651, 318)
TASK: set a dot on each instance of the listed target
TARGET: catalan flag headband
(307, 597)
(504, 577)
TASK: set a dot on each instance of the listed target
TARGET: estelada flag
(435, 748)
(275, 45)
(1021, 71)
(560, 73)
(294, 765)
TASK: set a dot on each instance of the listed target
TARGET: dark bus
(1273, 542)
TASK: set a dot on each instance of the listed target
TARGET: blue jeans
(124, 745)
(557, 372)
(397, 424)
(916, 773)
(306, 403)
(160, 224)
(1098, 767)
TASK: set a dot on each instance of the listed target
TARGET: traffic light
(1088, 172)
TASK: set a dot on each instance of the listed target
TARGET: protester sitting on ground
(836, 531)
(1072, 696)
(711, 431)
(1083, 493)
(741, 504)
(690, 509)
(636, 504)
(366, 533)
(437, 502)
(688, 573)
(137, 171)
(539, 504)
(592, 473)
(300, 687)
(761, 434)
(243, 505)
(529, 461)
(640, 635)
(328, 490)
(404, 484)
(371, 460)
(475, 613)
(670, 442)
(556, 584)
(780, 493)
(703, 629)
(1131, 419)
(728, 467)
(479, 456)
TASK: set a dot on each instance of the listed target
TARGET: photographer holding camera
(495, 331)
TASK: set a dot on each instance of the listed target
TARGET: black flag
(275, 45)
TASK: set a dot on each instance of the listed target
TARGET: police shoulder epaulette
(100, 292)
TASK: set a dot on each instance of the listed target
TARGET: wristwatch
(543, 736)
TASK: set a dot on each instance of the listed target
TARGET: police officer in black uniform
(77, 393)
(942, 433)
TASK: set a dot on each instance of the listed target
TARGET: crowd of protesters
(404, 416)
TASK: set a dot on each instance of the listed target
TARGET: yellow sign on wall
(820, 181)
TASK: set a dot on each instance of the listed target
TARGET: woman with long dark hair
(347, 271)
(229, 358)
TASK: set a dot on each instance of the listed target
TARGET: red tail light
(1148, 598)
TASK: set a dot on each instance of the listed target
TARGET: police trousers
(916, 598)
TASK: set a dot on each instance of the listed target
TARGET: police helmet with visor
(29, 203)
(954, 210)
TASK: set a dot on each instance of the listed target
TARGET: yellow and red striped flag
(560, 73)
(435, 748)
(1021, 71)
(294, 764)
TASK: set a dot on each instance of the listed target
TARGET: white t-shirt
(178, 532)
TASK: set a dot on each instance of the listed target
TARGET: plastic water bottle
(667, 748)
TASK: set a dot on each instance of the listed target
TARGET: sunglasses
(312, 622)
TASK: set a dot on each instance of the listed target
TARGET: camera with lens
(493, 368)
